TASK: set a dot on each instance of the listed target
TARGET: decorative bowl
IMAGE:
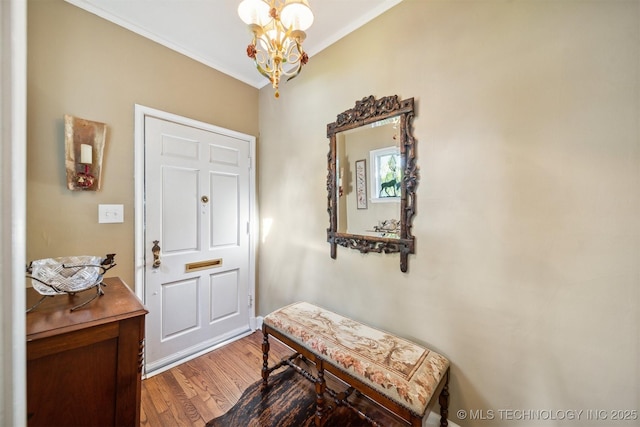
(52, 276)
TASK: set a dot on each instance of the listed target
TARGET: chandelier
(278, 32)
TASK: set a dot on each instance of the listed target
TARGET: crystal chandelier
(278, 32)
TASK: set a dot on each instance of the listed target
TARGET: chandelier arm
(264, 56)
(262, 71)
(294, 58)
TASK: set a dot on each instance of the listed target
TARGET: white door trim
(13, 143)
(139, 201)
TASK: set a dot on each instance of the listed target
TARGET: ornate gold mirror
(372, 178)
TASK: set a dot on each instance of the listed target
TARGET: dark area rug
(289, 402)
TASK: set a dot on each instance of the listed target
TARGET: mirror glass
(372, 177)
(369, 177)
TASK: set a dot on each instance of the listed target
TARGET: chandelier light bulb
(254, 12)
(296, 15)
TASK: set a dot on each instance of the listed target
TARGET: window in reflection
(386, 174)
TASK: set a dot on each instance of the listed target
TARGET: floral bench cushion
(399, 369)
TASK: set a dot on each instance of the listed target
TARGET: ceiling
(211, 32)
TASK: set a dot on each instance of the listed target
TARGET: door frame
(141, 112)
(13, 217)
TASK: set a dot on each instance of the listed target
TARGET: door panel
(224, 223)
(197, 204)
(180, 308)
(177, 147)
(225, 288)
(180, 207)
(223, 155)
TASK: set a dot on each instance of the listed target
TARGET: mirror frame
(367, 111)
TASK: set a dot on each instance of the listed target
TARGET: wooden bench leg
(321, 385)
(443, 399)
(265, 359)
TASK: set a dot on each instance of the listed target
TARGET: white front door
(197, 218)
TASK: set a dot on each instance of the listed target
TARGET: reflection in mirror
(372, 177)
(369, 175)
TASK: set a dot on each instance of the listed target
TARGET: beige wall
(526, 271)
(83, 65)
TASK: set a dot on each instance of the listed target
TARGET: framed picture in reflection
(361, 184)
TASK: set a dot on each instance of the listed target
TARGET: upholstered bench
(399, 375)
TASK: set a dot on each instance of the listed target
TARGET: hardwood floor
(197, 391)
(194, 392)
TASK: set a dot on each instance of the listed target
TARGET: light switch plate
(110, 214)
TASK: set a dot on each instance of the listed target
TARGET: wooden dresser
(84, 367)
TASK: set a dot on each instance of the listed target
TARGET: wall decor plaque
(84, 150)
